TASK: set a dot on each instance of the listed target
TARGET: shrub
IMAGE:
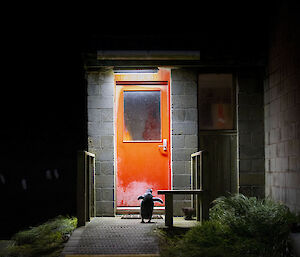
(263, 219)
(44, 240)
(238, 226)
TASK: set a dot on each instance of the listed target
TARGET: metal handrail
(86, 198)
(197, 182)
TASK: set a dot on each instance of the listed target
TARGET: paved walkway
(113, 236)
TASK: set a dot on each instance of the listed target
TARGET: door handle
(165, 145)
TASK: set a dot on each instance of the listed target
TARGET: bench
(169, 203)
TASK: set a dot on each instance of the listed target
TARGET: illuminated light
(139, 70)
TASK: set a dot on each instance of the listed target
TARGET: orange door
(143, 140)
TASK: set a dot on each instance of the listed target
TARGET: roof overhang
(144, 55)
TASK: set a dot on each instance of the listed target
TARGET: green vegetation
(45, 240)
(238, 226)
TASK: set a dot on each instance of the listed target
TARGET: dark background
(43, 89)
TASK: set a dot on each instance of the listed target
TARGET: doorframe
(162, 77)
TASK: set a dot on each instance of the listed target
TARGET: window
(216, 101)
(142, 117)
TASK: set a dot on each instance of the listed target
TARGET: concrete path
(113, 236)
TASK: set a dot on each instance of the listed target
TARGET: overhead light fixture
(135, 70)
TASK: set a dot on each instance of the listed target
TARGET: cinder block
(190, 88)
(281, 151)
(183, 154)
(283, 102)
(94, 115)
(106, 128)
(188, 167)
(93, 89)
(107, 168)
(281, 164)
(107, 142)
(177, 88)
(104, 181)
(275, 107)
(95, 102)
(107, 89)
(106, 154)
(293, 164)
(274, 135)
(272, 165)
(94, 142)
(178, 141)
(182, 197)
(100, 128)
(97, 167)
(104, 194)
(292, 179)
(184, 101)
(191, 141)
(105, 208)
(273, 151)
(184, 128)
(182, 181)
(178, 115)
(178, 167)
(107, 114)
(93, 129)
(291, 196)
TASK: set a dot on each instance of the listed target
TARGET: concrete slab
(113, 236)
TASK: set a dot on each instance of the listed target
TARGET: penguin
(147, 205)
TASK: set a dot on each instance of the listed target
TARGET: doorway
(142, 129)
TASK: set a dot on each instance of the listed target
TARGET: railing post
(81, 192)
(85, 187)
(197, 183)
(93, 187)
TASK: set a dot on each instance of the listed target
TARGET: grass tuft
(46, 239)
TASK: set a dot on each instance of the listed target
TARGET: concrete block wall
(282, 110)
(184, 131)
(251, 133)
(100, 101)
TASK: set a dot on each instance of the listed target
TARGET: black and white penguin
(147, 205)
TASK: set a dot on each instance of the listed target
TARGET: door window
(142, 116)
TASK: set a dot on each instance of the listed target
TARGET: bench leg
(169, 210)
